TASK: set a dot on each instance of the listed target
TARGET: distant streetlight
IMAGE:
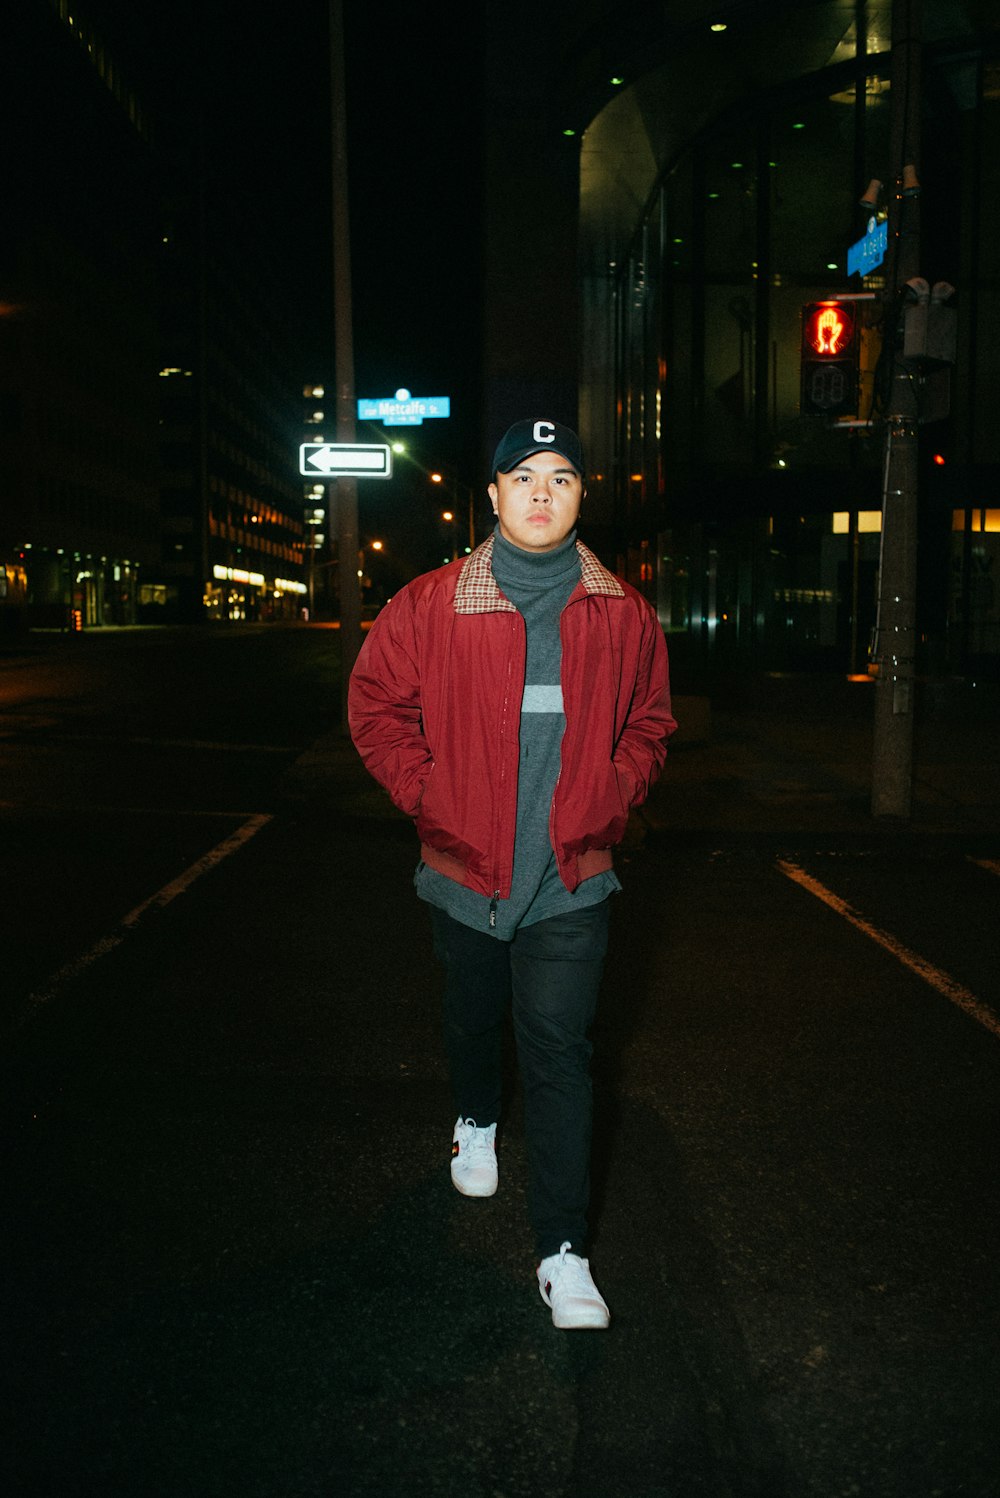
(448, 517)
(364, 577)
(455, 486)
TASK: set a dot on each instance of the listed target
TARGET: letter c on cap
(539, 430)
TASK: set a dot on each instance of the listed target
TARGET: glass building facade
(719, 197)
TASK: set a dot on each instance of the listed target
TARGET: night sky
(411, 143)
(254, 83)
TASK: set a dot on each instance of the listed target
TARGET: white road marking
(128, 923)
(156, 743)
(952, 990)
(201, 866)
(100, 809)
(213, 744)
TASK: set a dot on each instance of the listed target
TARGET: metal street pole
(472, 519)
(343, 492)
(892, 748)
(460, 488)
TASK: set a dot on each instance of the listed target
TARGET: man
(516, 704)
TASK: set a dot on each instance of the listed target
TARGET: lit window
(981, 520)
(868, 520)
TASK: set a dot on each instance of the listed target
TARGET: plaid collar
(477, 591)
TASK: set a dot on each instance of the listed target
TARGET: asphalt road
(234, 1263)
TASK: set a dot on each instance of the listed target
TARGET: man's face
(538, 502)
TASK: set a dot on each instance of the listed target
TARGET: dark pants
(549, 976)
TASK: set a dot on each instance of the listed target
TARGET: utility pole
(459, 488)
(448, 482)
(343, 492)
(894, 653)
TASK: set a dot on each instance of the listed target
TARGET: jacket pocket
(626, 788)
(423, 789)
(431, 815)
(593, 815)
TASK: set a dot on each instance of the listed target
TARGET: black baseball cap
(537, 436)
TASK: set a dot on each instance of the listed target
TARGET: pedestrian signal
(829, 359)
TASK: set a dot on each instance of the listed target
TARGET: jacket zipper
(503, 776)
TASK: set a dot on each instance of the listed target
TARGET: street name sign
(866, 254)
(345, 460)
(404, 409)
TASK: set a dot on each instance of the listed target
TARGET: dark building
(233, 532)
(148, 387)
(690, 186)
(79, 503)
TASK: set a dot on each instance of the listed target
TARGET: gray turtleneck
(539, 585)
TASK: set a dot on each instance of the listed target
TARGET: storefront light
(238, 575)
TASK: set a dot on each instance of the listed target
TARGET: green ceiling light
(718, 25)
(713, 195)
(618, 82)
(737, 166)
(569, 132)
(799, 125)
(831, 265)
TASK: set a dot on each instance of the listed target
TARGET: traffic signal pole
(895, 639)
(343, 492)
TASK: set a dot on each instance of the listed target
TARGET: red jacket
(434, 709)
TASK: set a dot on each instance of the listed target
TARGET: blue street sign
(868, 253)
(404, 409)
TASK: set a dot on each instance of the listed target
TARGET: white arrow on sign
(362, 460)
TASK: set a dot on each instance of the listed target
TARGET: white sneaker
(474, 1158)
(565, 1284)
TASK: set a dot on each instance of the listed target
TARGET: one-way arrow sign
(360, 460)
